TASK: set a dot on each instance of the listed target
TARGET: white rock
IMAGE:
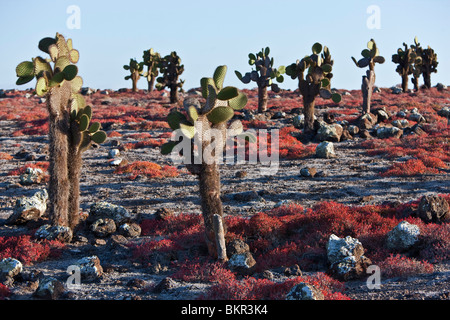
(113, 153)
(403, 236)
(29, 208)
(90, 268)
(303, 291)
(10, 267)
(325, 150)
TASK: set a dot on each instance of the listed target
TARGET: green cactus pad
(228, 93)
(219, 76)
(84, 122)
(25, 69)
(53, 52)
(167, 147)
(56, 79)
(88, 111)
(77, 83)
(41, 87)
(238, 102)
(326, 68)
(220, 114)
(45, 43)
(85, 141)
(61, 63)
(325, 82)
(70, 72)
(23, 80)
(99, 137)
(336, 97)
(41, 66)
(193, 114)
(325, 93)
(316, 48)
(95, 126)
(205, 82)
(379, 59)
(187, 130)
(175, 118)
(74, 56)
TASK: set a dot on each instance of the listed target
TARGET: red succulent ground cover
(290, 235)
(27, 250)
(147, 169)
(43, 165)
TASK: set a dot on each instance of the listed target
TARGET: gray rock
(444, 112)
(441, 86)
(329, 132)
(31, 176)
(49, 289)
(389, 132)
(113, 153)
(308, 172)
(346, 257)
(116, 162)
(103, 227)
(352, 129)
(49, 232)
(403, 123)
(416, 117)
(10, 267)
(103, 209)
(237, 246)
(396, 90)
(242, 263)
(90, 268)
(130, 230)
(376, 90)
(403, 236)
(298, 121)
(434, 209)
(29, 208)
(303, 291)
(325, 150)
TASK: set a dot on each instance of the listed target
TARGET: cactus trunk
(59, 185)
(308, 111)
(367, 90)
(151, 83)
(426, 77)
(262, 99)
(415, 81)
(405, 82)
(174, 93)
(209, 181)
(135, 78)
(74, 171)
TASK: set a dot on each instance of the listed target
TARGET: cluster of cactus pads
(170, 68)
(407, 60)
(197, 125)
(151, 59)
(370, 56)
(264, 75)
(136, 70)
(314, 78)
(70, 130)
(426, 66)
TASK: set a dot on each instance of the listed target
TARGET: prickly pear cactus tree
(171, 69)
(205, 127)
(70, 130)
(314, 75)
(136, 70)
(371, 55)
(417, 66)
(151, 60)
(428, 63)
(406, 59)
(264, 75)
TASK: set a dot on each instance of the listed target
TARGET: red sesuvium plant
(148, 169)
(4, 292)
(28, 251)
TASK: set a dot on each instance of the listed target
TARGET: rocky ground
(350, 178)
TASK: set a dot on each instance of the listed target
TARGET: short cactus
(264, 75)
(170, 68)
(316, 82)
(70, 131)
(197, 124)
(151, 60)
(136, 70)
(406, 60)
(371, 55)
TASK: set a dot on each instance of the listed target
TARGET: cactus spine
(263, 75)
(69, 131)
(151, 60)
(198, 124)
(135, 69)
(370, 57)
(170, 68)
(318, 67)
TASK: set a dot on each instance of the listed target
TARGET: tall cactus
(417, 66)
(170, 68)
(406, 60)
(151, 60)
(371, 55)
(263, 75)
(202, 126)
(318, 67)
(428, 63)
(135, 69)
(70, 131)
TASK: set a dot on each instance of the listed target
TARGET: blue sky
(206, 34)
